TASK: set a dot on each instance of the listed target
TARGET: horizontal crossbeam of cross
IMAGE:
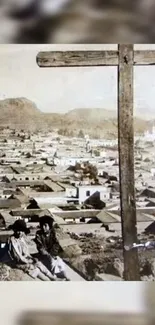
(91, 58)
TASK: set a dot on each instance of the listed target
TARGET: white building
(72, 161)
(150, 136)
(84, 192)
(71, 191)
(152, 172)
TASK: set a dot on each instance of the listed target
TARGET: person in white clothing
(16, 254)
(49, 248)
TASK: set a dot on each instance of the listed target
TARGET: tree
(93, 172)
(77, 166)
(96, 153)
(71, 134)
(81, 134)
(90, 170)
(61, 131)
(66, 132)
(28, 155)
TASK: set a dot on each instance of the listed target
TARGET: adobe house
(33, 205)
(5, 179)
(95, 201)
(148, 193)
(151, 203)
(20, 199)
(70, 190)
(150, 229)
(84, 192)
(12, 202)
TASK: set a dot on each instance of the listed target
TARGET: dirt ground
(10, 274)
(101, 254)
(105, 255)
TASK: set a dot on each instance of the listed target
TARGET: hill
(99, 114)
(95, 122)
(21, 113)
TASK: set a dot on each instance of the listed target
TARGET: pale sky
(63, 89)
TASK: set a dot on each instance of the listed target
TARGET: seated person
(16, 253)
(49, 248)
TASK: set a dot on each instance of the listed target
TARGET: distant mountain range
(21, 113)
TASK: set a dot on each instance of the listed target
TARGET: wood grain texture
(144, 58)
(126, 160)
(90, 58)
(77, 58)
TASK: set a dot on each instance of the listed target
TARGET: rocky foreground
(105, 256)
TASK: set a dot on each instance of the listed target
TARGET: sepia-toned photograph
(77, 163)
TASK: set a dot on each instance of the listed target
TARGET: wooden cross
(124, 58)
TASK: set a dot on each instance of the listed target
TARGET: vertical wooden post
(126, 159)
